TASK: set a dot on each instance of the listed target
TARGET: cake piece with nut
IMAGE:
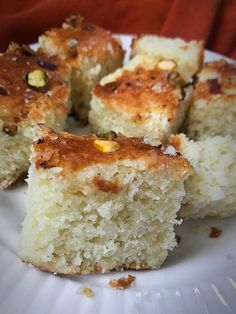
(213, 111)
(92, 53)
(34, 88)
(147, 97)
(188, 55)
(211, 189)
(96, 204)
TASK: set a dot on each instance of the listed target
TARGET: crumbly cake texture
(213, 111)
(22, 106)
(140, 100)
(93, 212)
(92, 53)
(211, 189)
(188, 55)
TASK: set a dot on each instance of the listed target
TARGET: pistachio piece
(37, 79)
(110, 135)
(106, 146)
(10, 129)
(46, 64)
(167, 65)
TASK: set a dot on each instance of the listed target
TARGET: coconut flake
(170, 150)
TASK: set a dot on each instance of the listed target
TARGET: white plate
(198, 277)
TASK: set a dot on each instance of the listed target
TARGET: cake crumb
(215, 232)
(122, 283)
(88, 292)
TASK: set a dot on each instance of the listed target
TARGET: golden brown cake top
(25, 76)
(143, 92)
(78, 39)
(217, 78)
(72, 152)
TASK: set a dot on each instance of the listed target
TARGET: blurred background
(211, 20)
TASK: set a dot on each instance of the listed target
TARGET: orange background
(212, 20)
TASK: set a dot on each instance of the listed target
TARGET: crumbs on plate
(215, 232)
(88, 292)
(122, 283)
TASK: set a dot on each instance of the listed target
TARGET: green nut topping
(37, 79)
(110, 135)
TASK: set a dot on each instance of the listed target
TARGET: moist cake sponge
(147, 97)
(97, 204)
(34, 88)
(188, 55)
(211, 189)
(213, 111)
(92, 53)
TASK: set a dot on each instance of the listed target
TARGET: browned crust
(50, 267)
(71, 152)
(91, 41)
(215, 87)
(142, 92)
(20, 99)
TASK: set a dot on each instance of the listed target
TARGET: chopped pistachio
(106, 146)
(37, 79)
(168, 65)
(110, 135)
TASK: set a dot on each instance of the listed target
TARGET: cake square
(100, 204)
(90, 50)
(213, 111)
(188, 55)
(211, 189)
(147, 97)
(34, 88)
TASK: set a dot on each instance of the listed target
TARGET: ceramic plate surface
(198, 277)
